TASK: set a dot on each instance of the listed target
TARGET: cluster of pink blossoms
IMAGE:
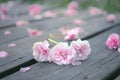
(113, 41)
(62, 53)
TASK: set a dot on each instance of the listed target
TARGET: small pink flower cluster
(35, 9)
(111, 18)
(72, 9)
(113, 41)
(62, 53)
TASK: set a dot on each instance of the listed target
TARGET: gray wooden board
(21, 32)
(23, 52)
(11, 22)
(118, 78)
(100, 63)
(53, 25)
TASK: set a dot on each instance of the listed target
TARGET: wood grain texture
(99, 64)
(22, 53)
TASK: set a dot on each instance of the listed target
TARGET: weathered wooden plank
(118, 78)
(99, 64)
(56, 23)
(25, 50)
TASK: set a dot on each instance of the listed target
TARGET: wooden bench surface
(101, 64)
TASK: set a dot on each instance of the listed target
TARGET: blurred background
(108, 5)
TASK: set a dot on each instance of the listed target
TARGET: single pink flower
(34, 32)
(3, 54)
(21, 23)
(70, 12)
(113, 41)
(95, 11)
(11, 45)
(25, 69)
(35, 9)
(73, 5)
(111, 18)
(78, 22)
(82, 49)
(50, 14)
(41, 51)
(7, 32)
(62, 54)
(72, 34)
(4, 10)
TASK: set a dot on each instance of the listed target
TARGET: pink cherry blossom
(11, 45)
(82, 49)
(21, 23)
(73, 5)
(4, 10)
(3, 54)
(113, 41)
(62, 54)
(34, 32)
(35, 9)
(78, 22)
(41, 51)
(7, 32)
(50, 14)
(70, 12)
(95, 11)
(111, 18)
(72, 34)
(25, 69)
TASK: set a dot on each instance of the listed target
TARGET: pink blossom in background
(73, 5)
(11, 45)
(38, 17)
(113, 41)
(70, 12)
(95, 11)
(4, 10)
(62, 54)
(7, 32)
(50, 14)
(34, 32)
(3, 54)
(82, 49)
(25, 69)
(35, 9)
(41, 51)
(111, 18)
(21, 23)
(78, 21)
(72, 34)
(4, 17)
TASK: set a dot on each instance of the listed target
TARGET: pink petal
(73, 5)
(21, 23)
(50, 14)
(77, 21)
(7, 32)
(76, 63)
(3, 54)
(38, 16)
(11, 45)
(111, 18)
(34, 32)
(25, 69)
(118, 49)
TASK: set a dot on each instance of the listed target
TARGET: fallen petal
(3, 54)
(25, 69)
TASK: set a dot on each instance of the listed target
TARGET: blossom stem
(53, 41)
